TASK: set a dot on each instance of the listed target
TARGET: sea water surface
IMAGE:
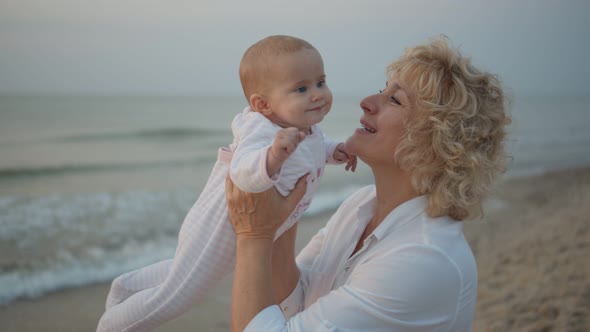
(91, 187)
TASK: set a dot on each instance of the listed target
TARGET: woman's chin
(350, 146)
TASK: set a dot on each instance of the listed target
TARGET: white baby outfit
(143, 299)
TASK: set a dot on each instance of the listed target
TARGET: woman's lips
(367, 128)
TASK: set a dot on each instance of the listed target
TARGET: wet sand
(532, 251)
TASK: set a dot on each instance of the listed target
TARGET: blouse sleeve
(294, 302)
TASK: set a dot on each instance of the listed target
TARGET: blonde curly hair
(454, 143)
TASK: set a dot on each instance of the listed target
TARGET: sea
(94, 186)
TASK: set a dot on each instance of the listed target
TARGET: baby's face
(298, 94)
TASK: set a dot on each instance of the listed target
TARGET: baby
(276, 141)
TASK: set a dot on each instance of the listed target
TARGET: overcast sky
(182, 47)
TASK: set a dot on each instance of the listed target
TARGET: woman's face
(382, 124)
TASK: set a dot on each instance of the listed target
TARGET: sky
(182, 47)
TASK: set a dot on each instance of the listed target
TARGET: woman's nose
(368, 104)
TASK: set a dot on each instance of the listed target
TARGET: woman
(393, 257)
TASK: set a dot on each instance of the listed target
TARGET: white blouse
(413, 273)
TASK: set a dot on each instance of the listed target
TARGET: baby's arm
(285, 142)
(260, 152)
(342, 155)
(337, 153)
(253, 137)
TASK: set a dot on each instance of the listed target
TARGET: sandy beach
(531, 248)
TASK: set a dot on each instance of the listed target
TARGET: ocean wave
(59, 241)
(62, 241)
(548, 138)
(159, 133)
(101, 266)
(329, 200)
(51, 170)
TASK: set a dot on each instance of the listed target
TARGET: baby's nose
(317, 95)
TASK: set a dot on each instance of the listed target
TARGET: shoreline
(531, 249)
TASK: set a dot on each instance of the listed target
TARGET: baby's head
(283, 78)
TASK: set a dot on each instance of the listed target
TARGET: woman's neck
(393, 188)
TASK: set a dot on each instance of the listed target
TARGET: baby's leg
(137, 280)
(205, 254)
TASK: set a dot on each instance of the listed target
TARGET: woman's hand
(259, 215)
(256, 218)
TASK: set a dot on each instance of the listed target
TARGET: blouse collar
(397, 218)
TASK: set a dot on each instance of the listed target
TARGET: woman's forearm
(285, 273)
(253, 275)
(255, 218)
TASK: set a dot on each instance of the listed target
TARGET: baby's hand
(285, 143)
(340, 154)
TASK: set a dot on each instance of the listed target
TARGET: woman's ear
(260, 105)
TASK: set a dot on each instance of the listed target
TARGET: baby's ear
(260, 105)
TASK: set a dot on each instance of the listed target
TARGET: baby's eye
(301, 89)
(321, 84)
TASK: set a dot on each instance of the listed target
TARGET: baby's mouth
(317, 108)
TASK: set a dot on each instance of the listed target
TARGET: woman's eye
(394, 100)
(301, 89)
(380, 91)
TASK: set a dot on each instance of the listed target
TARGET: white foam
(99, 266)
(59, 241)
